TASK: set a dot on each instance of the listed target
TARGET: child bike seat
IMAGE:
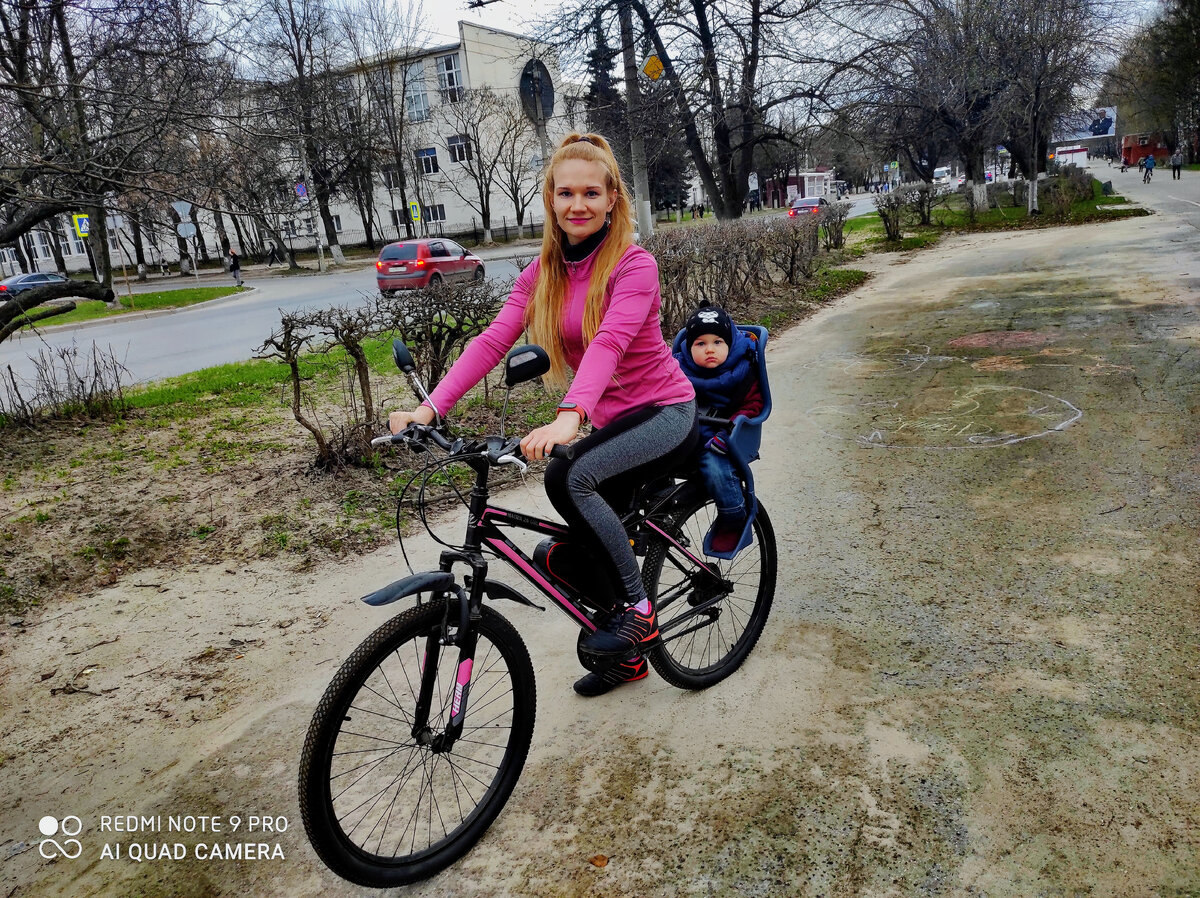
(745, 436)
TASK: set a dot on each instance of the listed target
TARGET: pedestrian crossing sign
(414, 211)
(81, 224)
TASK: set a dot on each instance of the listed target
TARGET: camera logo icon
(69, 826)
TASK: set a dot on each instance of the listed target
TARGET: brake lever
(508, 459)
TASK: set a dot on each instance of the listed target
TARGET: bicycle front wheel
(707, 628)
(388, 801)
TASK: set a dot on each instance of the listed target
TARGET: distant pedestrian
(1176, 164)
(235, 268)
(273, 256)
(1150, 163)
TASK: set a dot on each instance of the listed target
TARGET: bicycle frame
(485, 530)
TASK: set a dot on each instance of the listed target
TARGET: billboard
(1087, 124)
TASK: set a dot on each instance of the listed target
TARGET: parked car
(19, 283)
(410, 264)
(806, 204)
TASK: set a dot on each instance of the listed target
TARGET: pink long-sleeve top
(627, 366)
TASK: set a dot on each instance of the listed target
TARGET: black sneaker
(600, 682)
(623, 632)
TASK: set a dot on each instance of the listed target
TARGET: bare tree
(475, 146)
(728, 67)
(519, 164)
(383, 37)
(297, 48)
(89, 95)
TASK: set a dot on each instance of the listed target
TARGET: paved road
(226, 331)
(216, 333)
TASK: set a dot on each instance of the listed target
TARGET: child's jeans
(724, 485)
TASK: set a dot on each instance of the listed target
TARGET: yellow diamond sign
(653, 68)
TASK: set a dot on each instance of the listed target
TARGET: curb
(134, 314)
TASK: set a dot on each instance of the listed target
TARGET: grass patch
(833, 282)
(143, 302)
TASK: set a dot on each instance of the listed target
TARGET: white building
(443, 134)
(438, 82)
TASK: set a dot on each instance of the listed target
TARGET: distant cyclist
(1149, 170)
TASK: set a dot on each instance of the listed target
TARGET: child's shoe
(726, 534)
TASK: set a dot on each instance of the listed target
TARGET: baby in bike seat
(721, 361)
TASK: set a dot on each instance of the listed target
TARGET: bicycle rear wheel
(387, 803)
(707, 629)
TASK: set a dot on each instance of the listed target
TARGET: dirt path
(979, 678)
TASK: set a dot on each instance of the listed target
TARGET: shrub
(436, 322)
(833, 225)
(891, 208)
(66, 384)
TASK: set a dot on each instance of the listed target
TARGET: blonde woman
(592, 301)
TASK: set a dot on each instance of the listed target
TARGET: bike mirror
(404, 359)
(525, 363)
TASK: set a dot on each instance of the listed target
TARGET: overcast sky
(507, 15)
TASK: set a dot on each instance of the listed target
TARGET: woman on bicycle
(592, 301)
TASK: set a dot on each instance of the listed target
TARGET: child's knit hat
(709, 320)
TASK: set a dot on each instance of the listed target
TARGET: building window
(434, 213)
(427, 160)
(391, 178)
(460, 148)
(416, 100)
(41, 246)
(70, 242)
(337, 223)
(289, 228)
(449, 78)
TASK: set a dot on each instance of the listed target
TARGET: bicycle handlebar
(497, 452)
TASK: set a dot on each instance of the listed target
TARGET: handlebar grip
(567, 453)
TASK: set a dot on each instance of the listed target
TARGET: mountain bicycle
(421, 736)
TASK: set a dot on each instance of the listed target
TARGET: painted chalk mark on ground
(978, 417)
(886, 362)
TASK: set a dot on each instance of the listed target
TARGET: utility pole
(637, 150)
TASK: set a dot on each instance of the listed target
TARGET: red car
(810, 204)
(410, 264)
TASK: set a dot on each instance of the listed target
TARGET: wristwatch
(573, 407)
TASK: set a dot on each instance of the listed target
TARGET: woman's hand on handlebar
(397, 421)
(538, 443)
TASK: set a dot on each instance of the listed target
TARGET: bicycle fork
(435, 643)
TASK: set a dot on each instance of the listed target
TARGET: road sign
(185, 229)
(182, 208)
(81, 223)
(414, 211)
(653, 68)
(752, 181)
(301, 190)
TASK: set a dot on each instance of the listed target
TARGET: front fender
(429, 581)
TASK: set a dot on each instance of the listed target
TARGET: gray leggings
(609, 465)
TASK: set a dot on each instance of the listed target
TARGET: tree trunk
(98, 243)
(199, 238)
(60, 264)
(223, 236)
(22, 259)
(139, 249)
